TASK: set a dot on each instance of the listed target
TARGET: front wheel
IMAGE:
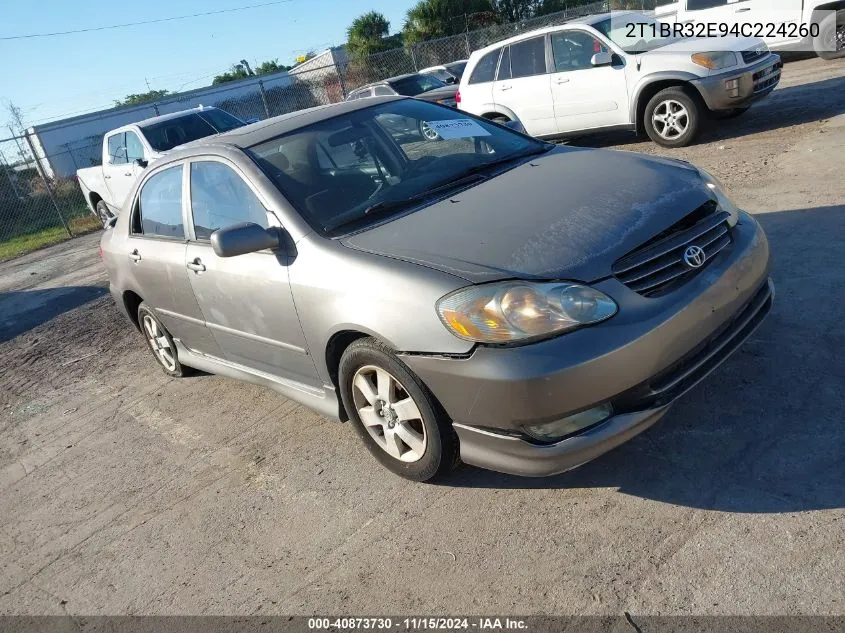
(395, 414)
(672, 118)
(427, 132)
(830, 44)
(160, 342)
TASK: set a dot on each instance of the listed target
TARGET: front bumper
(755, 82)
(642, 359)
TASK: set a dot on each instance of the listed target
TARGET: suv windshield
(344, 173)
(634, 33)
(168, 134)
(415, 84)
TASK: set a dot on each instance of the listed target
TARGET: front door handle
(106, 176)
(505, 87)
(743, 10)
(135, 256)
(562, 80)
(197, 266)
(128, 173)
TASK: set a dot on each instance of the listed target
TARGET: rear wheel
(830, 44)
(160, 342)
(395, 414)
(672, 118)
(103, 212)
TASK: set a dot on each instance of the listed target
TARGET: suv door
(523, 85)
(246, 301)
(119, 172)
(586, 96)
(716, 11)
(156, 252)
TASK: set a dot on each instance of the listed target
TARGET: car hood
(446, 92)
(708, 44)
(567, 214)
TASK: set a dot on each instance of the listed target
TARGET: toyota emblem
(695, 257)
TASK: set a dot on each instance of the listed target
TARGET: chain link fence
(40, 200)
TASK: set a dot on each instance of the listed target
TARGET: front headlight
(512, 311)
(715, 60)
(721, 196)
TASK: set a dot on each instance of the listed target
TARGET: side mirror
(516, 126)
(602, 59)
(242, 238)
(141, 163)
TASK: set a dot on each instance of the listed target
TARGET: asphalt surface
(123, 491)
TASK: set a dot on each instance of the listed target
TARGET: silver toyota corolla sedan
(477, 295)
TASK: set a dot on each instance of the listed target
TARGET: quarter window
(485, 69)
(220, 198)
(117, 149)
(159, 211)
(528, 58)
(574, 50)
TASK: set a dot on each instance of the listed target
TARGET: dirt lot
(125, 491)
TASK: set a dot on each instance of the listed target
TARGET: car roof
(587, 20)
(256, 133)
(173, 115)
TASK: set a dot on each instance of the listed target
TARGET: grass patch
(23, 244)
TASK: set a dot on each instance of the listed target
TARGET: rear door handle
(505, 87)
(106, 176)
(197, 266)
(562, 80)
(128, 173)
(135, 256)
(743, 10)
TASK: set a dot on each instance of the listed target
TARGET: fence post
(155, 107)
(466, 39)
(339, 71)
(413, 58)
(41, 173)
(263, 98)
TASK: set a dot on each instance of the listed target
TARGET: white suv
(589, 75)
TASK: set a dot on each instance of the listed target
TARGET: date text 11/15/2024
(417, 624)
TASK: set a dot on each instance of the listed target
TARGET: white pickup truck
(129, 149)
(811, 25)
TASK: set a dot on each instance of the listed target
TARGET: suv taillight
(458, 96)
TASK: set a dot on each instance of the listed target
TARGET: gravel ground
(123, 491)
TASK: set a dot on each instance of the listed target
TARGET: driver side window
(221, 198)
(574, 50)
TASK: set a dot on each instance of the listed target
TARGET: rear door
(246, 300)
(523, 85)
(156, 255)
(586, 96)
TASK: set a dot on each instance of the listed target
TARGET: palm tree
(430, 19)
(366, 35)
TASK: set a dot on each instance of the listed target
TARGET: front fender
(666, 76)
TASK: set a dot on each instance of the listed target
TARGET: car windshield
(635, 33)
(415, 84)
(345, 173)
(168, 134)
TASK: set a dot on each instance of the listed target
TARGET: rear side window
(117, 149)
(485, 69)
(159, 212)
(382, 91)
(220, 198)
(505, 65)
(528, 58)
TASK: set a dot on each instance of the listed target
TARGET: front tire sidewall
(827, 29)
(103, 212)
(441, 448)
(179, 370)
(692, 107)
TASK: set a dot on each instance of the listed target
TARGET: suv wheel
(830, 44)
(672, 118)
(160, 342)
(396, 416)
(427, 132)
(103, 212)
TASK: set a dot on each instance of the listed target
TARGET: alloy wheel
(670, 119)
(389, 414)
(428, 133)
(159, 343)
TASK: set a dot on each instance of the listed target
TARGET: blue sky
(73, 74)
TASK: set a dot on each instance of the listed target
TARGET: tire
(732, 114)
(427, 133)
(431, 449)
(103, 212)
(684, 124)
(831, 35)
(160, 342)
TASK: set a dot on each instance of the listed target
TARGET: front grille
(766, 78)
(675, 381)
(751, 56)
(659, 266)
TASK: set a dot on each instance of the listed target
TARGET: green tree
(270, 66)
(430, 19)
(236, 72)
(368, 34)
(516, 10)
(144, 97)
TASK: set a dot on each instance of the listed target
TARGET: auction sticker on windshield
(457, 128)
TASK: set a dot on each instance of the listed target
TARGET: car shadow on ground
(786, 107)
(24, 310)
(766, 431)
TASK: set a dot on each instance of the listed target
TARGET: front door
(586, 96)
(246, 300)
(522, 86)
(120, 172)
(156, 254)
